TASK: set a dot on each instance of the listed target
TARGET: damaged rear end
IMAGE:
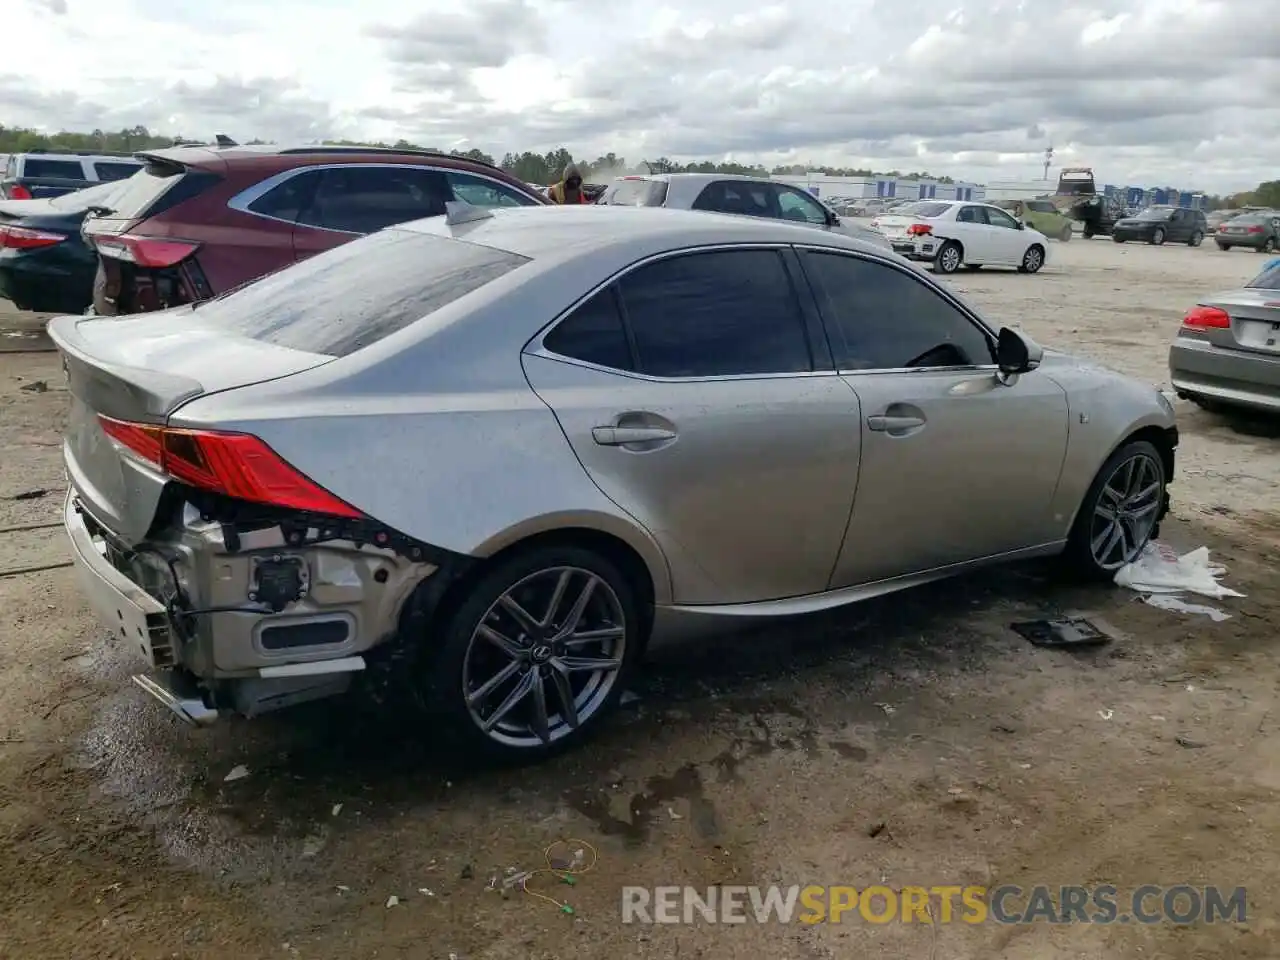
(241, 583)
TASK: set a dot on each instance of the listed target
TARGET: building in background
(884, 188)
(1130, 198)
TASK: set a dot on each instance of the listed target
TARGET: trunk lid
(1255, 320)
(892, 225)
(141, 370)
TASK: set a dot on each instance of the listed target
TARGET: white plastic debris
(1106, 714)
(887, 708)
(393, 901)
(1160, 570)
(1166, 601)
(425, 892)
(337, 809)
(237, 773)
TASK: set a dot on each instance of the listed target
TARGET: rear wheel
(1268, 246)
(1157, 236)
(1032, 260)
(1120, 513)
(1196, 239)
(1224, 246)
(949, 258)
(536, 653)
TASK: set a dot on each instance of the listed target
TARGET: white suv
(728, 193)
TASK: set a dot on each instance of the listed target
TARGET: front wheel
(1224, 247)
(1032, 260)
(1120, 513)
(535, 654)
(1268, 245)
(1157, 237)
(1196, 239)
(949, 258)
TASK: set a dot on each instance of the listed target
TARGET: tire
(1117, 239)
(948, 258)
(1032, 260)
(1065, 235)
(1268, 246)
(1088, 233)
(1224, 247)
(1157, 237)
(1196, 239)
(463, 660)
(1092, 531)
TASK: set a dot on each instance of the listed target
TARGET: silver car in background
(499, 450)
(1227, 351)
(730, 193)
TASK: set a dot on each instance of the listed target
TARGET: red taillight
(919, 230)
(234, 464)
(1207, 318)
(19, 192)
(22, 238)
(145, 251)
(1255, 229)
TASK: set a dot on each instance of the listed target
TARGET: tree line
(542, 168)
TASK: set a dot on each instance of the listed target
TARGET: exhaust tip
(187, 706)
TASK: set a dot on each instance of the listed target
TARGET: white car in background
(950, 234)
(728, 193)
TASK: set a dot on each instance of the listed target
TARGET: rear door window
(594, 333)
(108, 170)
(60, 169)
(723, 313)
(354, 295)
(635, 192)
(359, 199)
(743, 197)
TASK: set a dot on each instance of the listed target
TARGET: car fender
(1105, 409)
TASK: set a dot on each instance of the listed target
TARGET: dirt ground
(911, 741)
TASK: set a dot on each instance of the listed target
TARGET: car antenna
(459, 211)
(224, 141)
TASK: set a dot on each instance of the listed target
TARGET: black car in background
(44, 263)
(1159, 224)
(1258, 231)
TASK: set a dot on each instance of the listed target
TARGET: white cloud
(1185, 92)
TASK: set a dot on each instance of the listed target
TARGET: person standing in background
(569, 189)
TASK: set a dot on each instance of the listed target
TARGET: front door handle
(888, 424)
(622, 436)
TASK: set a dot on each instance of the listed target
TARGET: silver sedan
(498, 451)
(1227, 352)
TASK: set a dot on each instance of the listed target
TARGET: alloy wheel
(1126, 511)
(949, 258)
(545, 657)
(1032, 260)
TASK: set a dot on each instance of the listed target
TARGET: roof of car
(203, 153)
(539, 232)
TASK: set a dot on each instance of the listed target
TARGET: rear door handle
(621, 436)
(887, 424)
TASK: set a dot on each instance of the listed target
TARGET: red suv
(198, 221)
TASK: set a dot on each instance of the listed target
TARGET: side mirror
(1021, 225)
(1017, 353)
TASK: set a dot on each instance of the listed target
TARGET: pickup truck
(39, 176)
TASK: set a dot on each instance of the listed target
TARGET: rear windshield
(115, 169)
(1269, 278)
(347, 298)
(635, 193)
(922, 208)
(1249, 220)
(144, 188)
(1155, 213)
(61, 169)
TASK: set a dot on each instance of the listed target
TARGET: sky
(1182, 93)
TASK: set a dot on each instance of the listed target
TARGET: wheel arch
(1163, 438)
(643, 565)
